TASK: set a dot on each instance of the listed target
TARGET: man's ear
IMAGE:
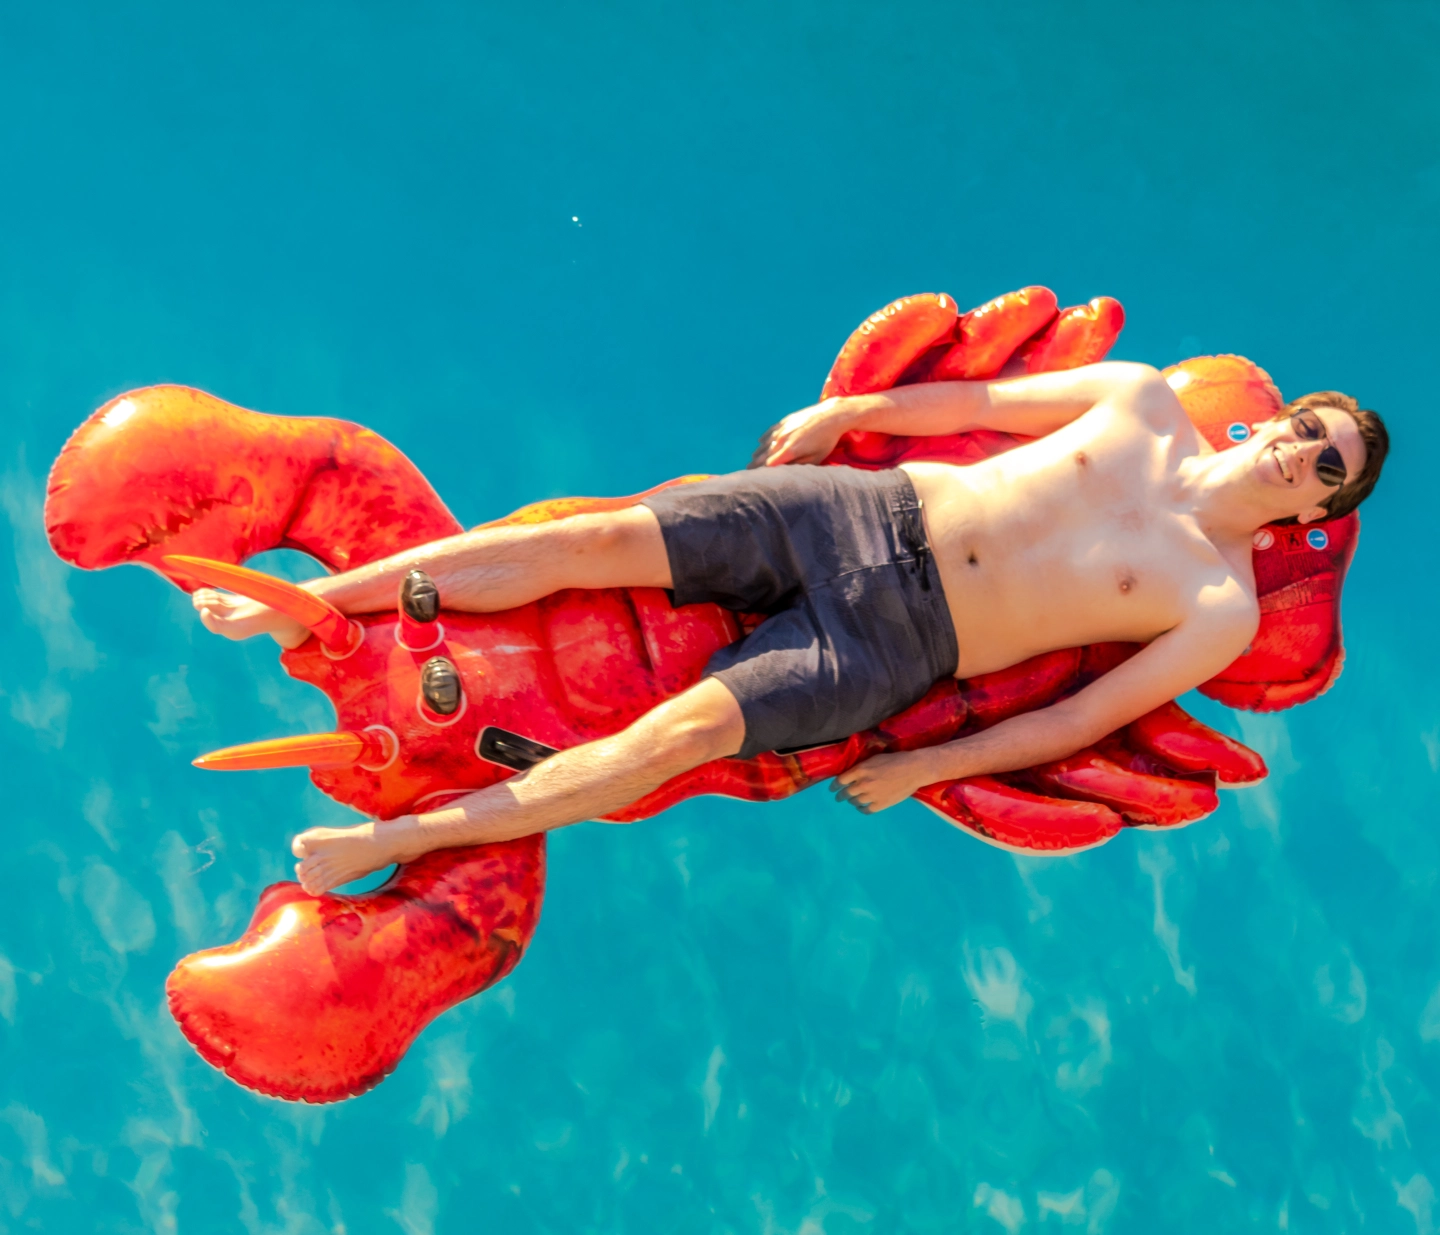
(1312, 515)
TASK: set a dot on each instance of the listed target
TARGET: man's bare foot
(237, 617)
(883, 780)
(332, 856)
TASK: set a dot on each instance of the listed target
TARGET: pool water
(579, 249)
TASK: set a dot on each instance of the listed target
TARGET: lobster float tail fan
(886, 343)
(1298, 652)
(1078, 336)
(985, 338)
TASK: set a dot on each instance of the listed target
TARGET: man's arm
(1031, 406)
(1179, 660)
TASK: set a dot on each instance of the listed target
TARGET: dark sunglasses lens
(1307, 426)
(1330, 467)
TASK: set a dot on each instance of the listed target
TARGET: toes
(300, 846)
(312, 876)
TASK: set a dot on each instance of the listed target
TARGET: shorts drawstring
(912, 531)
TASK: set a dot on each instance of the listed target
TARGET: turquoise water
(582, 249)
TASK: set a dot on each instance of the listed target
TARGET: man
(1118, 523)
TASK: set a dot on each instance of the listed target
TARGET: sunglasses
(1329, 466)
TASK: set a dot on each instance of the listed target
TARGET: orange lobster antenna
(373, 748)
(336, 631)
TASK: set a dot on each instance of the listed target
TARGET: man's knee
(614, 530)
(627, 541)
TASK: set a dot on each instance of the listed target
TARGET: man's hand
(806, 436)
(880, 782)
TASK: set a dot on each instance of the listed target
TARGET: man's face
(1284, 460)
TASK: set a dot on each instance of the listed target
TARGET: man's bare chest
(1075, 538)
(1079, 492)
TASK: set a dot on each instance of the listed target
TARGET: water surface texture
(575, 248)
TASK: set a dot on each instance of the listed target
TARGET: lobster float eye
(442, 698)
(419, 628)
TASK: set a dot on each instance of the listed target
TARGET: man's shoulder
(1147, 396)
(1143, 413)
(1225, 597)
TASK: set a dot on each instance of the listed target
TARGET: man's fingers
(764, 456)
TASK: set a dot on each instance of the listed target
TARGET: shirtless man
(1118, 523)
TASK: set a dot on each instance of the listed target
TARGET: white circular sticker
(1264, 538)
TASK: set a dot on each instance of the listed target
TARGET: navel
(974, 561)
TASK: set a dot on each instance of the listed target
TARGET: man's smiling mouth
(1280, 463)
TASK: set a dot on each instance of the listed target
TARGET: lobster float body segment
(321, 996)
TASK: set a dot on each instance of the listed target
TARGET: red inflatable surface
(321, 996)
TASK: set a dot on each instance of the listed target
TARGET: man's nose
(1310, 452)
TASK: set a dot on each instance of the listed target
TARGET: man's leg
(703, 723)
(480, 572)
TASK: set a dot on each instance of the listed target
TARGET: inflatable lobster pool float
(322, 995)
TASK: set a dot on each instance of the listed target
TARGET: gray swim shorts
(857, 626)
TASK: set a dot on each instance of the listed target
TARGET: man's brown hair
(1372, 432)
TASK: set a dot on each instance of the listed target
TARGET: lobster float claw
(338, 634)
